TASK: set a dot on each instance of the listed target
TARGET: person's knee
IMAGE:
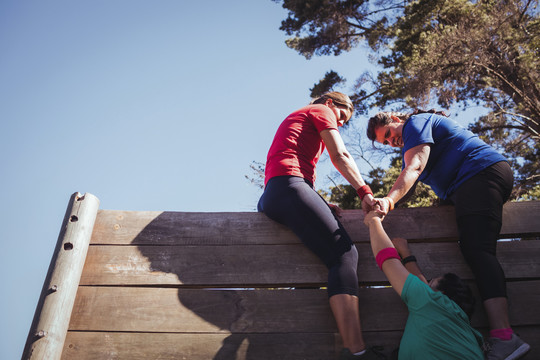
(343, 276)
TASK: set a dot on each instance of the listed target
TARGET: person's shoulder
(415, 121)
(412, 283)
(313, 110)
(317, 108)
(415, 292)
(320, 113)
(419, 118)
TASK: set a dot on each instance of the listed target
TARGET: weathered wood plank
(257, 311)
(49, 327)
(274, 265)
(144, 346)
(146, 227)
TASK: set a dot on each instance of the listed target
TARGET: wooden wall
(173, 285)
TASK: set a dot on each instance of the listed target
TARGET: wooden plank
(146, 227)
(49, 327)
(257, 311)
(521, 219)
(143, 346)
(291, 346)
(274, 265)
(186, 228)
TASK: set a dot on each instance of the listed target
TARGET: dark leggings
(293, 202)
(478, 205)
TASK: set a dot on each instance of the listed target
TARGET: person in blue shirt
(463, 169)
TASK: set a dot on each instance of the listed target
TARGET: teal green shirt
(437, 328)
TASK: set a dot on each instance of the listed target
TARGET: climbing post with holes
(49, 327)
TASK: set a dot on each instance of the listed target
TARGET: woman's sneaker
(512, 349)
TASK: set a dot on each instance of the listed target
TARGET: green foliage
(446, 51)
(532, 194)
(342, 195)
(326, 84)
(421, 197)
(382, 181)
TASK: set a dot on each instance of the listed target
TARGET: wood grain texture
(257, 311)
(181, 228)
(290, 346)
(49, 327)
(286, 346)
(175, 285)
(274, 265)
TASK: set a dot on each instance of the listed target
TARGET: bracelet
(408, 259)
(385, 254)
(391, 202)
(363, 191)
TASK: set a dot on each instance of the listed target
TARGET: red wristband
(385, 254)
(363, 191)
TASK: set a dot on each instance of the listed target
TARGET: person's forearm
(404, 183)
(379, 238)
(410, 264)
(390, 264)
(347, 167)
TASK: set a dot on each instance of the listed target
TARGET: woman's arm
(343, 161)
(395, 272)
(402, 247)
(415, 162)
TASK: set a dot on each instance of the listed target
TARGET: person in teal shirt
(438, 325)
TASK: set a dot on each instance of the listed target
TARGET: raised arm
(415, 162)
(408, 259)
(344, 163)
(395, 272)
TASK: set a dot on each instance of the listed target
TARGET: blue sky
(148, 105)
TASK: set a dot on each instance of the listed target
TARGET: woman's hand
(372, 216)
(384, 205)
(369, 204)
(402, 247)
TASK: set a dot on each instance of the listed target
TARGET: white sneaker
(511, 349)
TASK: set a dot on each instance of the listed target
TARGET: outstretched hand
(372, 216)
(369, 204)
(384, 205)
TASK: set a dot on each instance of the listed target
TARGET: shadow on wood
(198, 286)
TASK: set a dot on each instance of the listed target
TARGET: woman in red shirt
(290, 199)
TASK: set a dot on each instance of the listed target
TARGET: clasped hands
(380, 205)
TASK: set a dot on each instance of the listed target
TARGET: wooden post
(49, 327)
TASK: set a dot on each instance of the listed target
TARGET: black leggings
(478, 205)
(293, 202)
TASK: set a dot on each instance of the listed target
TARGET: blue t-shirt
(456, 153)
(437, 328)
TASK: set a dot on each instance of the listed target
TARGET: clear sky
(148, 105)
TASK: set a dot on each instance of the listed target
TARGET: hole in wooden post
(68, 246)
(73, 218)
